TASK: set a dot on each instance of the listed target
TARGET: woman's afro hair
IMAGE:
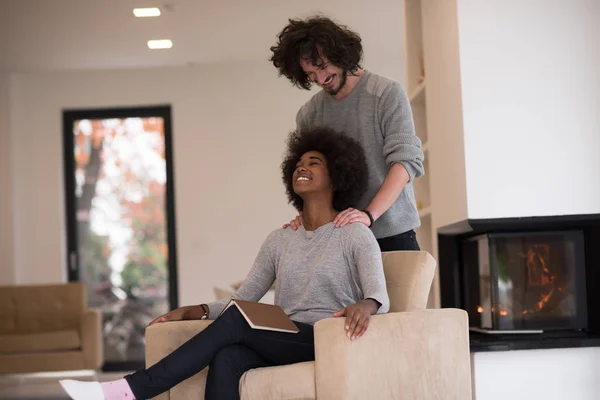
(346, 163)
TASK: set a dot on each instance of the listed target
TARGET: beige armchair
(409, 353)
(48, 328)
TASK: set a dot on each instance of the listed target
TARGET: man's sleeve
(302, 118)
(401, 144)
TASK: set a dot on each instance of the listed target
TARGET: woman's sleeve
(367, 256)
(259, 279)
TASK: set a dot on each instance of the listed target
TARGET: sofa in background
(409, 353)
(48, 328)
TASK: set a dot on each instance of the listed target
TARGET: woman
(319, 271)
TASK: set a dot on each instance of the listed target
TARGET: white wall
(7, 270)
(555, 374)
(530, 75)
(229, 129)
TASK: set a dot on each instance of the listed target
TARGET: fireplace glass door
(526, 281)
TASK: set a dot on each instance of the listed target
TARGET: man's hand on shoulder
(350, 216)
(295, 223)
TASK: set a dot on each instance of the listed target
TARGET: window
(120, 221)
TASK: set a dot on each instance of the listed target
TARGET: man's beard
(342, 77)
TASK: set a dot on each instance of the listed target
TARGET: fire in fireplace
(527, 281)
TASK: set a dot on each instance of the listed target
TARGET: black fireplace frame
(452, 276)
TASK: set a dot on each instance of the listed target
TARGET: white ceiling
(104, 34)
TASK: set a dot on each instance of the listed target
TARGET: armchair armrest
(91, 338)
(410, 355)
(161, 340)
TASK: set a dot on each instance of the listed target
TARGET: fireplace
(525, 282)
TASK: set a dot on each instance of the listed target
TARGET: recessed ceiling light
(146, 12)
(160, 44)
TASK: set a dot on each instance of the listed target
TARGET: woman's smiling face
(311, 174)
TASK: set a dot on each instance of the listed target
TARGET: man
(367, 107)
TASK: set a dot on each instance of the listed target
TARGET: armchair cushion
(287, 382)
(41, 308)
(39, 342)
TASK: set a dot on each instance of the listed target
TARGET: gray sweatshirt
(377, 113)
(316, 273)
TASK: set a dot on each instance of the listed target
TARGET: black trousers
(229, 347)
(403, 241)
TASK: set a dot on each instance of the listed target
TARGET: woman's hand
(350, 216)
(180, 314)
(357, 317)
(295, 223)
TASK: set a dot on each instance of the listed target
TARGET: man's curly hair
(309, 39)
(346, 163)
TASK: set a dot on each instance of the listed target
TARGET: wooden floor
(45, 386)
